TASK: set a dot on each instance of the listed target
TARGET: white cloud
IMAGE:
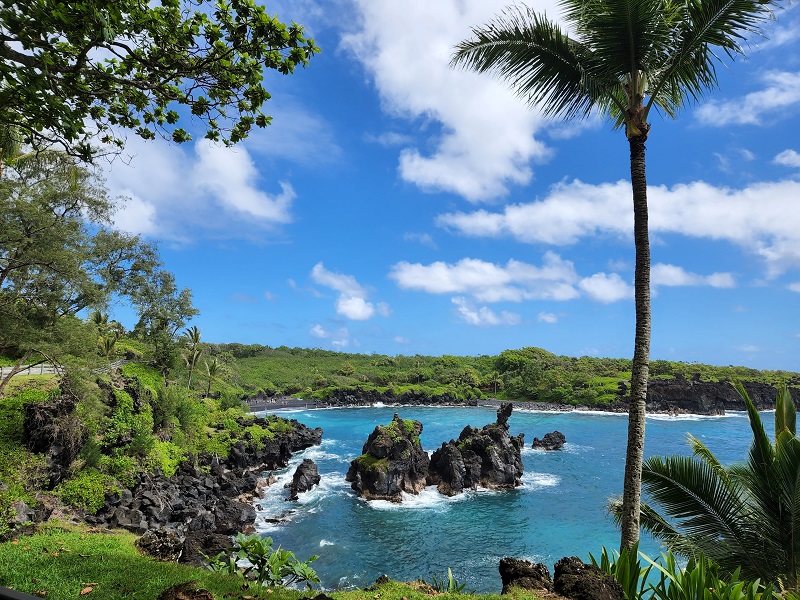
(401, 340)
(546, 317)
(606, 288)
(188, 192)
(424, 239)
(390, 138)
(748, 348)
(338, 339)
(483, 316)
(352, 301)
(761, 218)
(782, 91)
(794, 287)
(788, 158)
(482, 135)
(487, 282)
(671, 276)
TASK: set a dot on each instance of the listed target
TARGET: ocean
(559, 511)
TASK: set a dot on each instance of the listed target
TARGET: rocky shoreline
(664, 396)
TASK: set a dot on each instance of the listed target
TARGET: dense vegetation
(525, 374)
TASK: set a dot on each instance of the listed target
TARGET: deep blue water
(559, 511)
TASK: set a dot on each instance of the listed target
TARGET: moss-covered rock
(392, 462)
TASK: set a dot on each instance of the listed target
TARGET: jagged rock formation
(488, 457)
(392, 461)
(554, 440)
(207, 500)
(305, 477)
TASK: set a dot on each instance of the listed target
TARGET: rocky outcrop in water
(488, 457)
(392, 461)
(305, 477)
(554, 440)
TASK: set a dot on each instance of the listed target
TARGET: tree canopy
(78, 73)
(58, 257)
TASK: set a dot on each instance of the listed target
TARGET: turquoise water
(559, 511)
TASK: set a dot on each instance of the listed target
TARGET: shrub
(164, 456)
(87, 490)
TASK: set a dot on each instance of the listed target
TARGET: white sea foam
(536, 480)
(427, 499)
(326, 543)
(688, 417)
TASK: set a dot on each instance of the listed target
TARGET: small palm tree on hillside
(621, 58)
(744, 515)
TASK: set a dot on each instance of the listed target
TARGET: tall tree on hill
(620, 58)
(75, 74)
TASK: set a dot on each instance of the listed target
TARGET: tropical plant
(626, 567)
(620, 58)
(270, 567)
(700, 579)
(449, 584)
(745, 515)
(213, 369)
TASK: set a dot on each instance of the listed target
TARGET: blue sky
(398, 206)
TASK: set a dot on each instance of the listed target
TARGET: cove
(559, 511)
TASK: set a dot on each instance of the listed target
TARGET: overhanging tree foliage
(620, 58)
(76, 73)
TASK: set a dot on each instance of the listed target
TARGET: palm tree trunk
(632, 487)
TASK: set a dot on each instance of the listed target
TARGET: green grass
(59, 563)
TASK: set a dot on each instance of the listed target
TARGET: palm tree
(744, 515)
(213, 369)
(620, 58)
(192, 338)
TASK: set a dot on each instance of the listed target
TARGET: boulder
(162, 544)
(186, 591)
(305, 477)
(551, 441)
(199, 543)
(515, 572)
(392, 462)
(578, 581)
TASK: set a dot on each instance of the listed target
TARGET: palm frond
(538, 60)
(785, 412)
(706, 508)
(701, 451)
(702, 31)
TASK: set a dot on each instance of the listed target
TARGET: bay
(559, 511)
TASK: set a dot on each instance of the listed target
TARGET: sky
(399, 206)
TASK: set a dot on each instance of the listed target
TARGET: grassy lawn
(61, 563)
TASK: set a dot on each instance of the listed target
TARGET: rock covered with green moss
(488, 457)
(392, 462)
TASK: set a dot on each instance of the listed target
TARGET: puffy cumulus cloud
(483, 316)
(487, 282)
(761, 218)
(230, 175)
(352, 301)
(781, 91)
(189, 192)
(671, 275)
(606, 288)
(788, 158)
(483, 136)
(570, 211)
(339, 338)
